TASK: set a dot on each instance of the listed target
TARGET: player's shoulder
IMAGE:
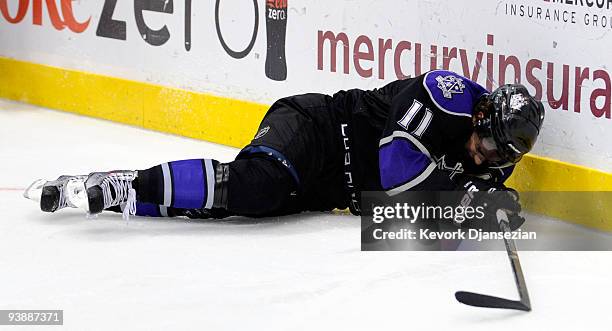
(452, 93)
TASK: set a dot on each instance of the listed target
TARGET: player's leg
(293, 164)
(256, 186)
(201, 188)
(286, 169)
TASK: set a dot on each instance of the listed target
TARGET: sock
(187, 184)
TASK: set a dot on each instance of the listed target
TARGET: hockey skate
(57, 194)
(110, 189)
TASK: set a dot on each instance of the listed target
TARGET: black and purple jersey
(414, 133)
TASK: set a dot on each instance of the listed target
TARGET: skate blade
(34, 191)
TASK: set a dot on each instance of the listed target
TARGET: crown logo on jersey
(450, 85)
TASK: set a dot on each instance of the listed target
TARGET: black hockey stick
(487, 301)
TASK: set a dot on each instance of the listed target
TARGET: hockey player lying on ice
(315, 152)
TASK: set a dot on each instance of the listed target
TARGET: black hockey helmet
(511, 123)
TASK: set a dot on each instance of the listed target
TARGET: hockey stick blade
(487, 301)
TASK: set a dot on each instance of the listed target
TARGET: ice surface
(295, 273)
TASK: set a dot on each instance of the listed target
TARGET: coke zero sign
(61, 16)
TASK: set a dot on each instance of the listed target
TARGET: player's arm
(405, 163)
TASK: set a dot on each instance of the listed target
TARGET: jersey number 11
(411, 114)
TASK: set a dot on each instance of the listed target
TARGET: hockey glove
(492, 196)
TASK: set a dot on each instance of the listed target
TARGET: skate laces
(124, 193)
(130, 205)
(65, 190)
